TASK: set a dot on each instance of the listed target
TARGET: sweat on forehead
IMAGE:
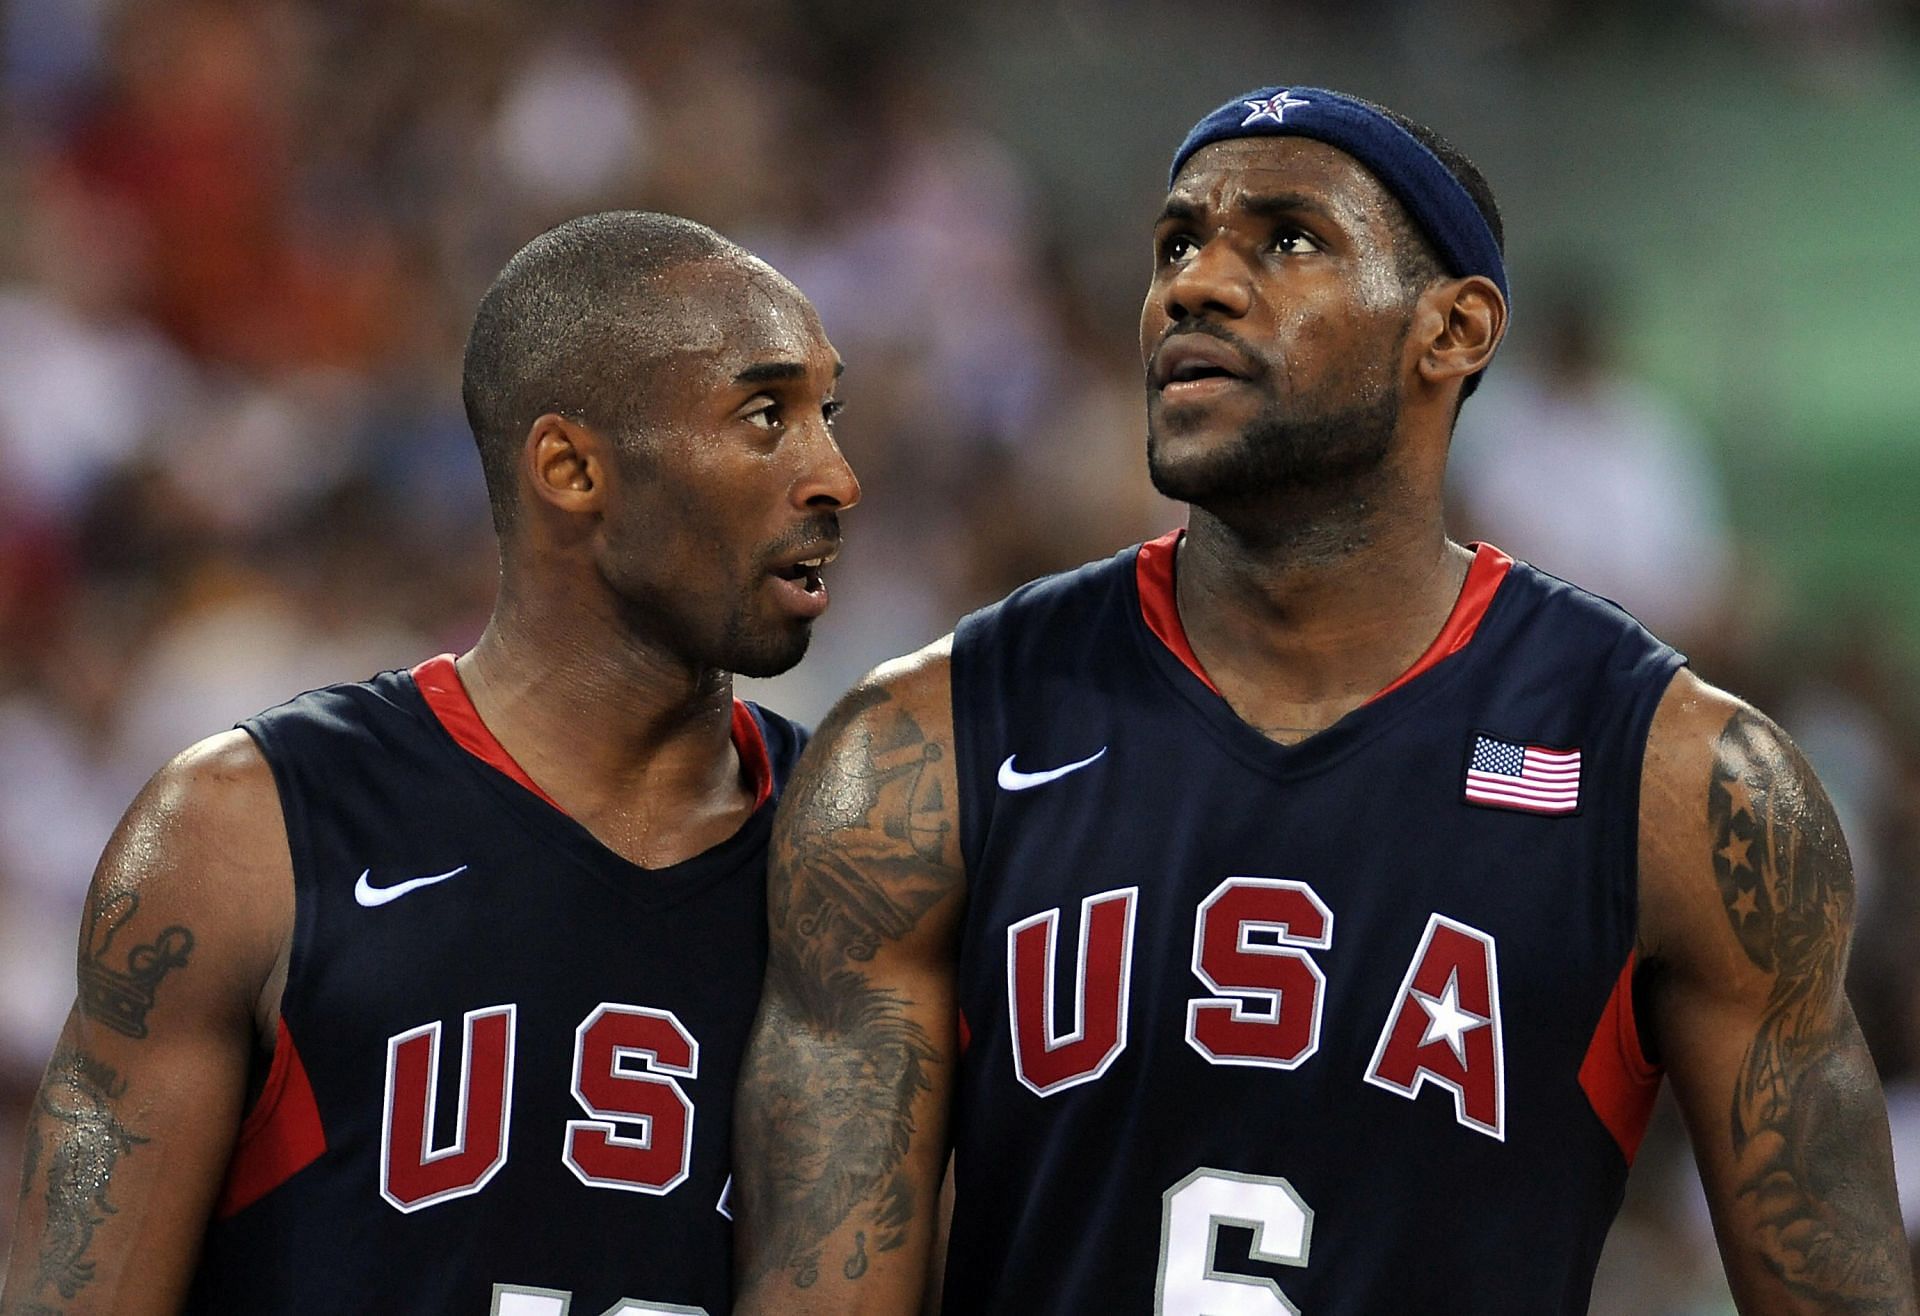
(704, 306)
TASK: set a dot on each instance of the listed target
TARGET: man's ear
(1462, 321)
(568, 464)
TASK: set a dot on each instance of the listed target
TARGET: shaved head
(573, 325)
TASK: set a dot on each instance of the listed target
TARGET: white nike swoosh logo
(371, 896)
(1012, 779)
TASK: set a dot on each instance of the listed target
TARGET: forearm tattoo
(81, 1140)
(1806, 1118)
(861, 854)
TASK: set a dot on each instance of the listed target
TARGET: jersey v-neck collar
(438, 680)
(446, 702)
(1164, 645)
(1153, 572)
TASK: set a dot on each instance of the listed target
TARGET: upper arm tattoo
(1806, 1118)
(121, 997)
(863, 851)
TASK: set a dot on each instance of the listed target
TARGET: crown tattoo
(121, 997)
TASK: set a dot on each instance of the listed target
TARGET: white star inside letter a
(1446, 1019)
(1274, 107)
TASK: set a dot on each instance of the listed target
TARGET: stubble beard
(1276, 454)
(1287, 477)
(769, 653)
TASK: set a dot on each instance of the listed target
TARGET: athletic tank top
(504, 1076)
(1337, 1027)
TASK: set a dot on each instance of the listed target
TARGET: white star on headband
(1274, 107)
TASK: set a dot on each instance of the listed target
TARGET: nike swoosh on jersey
(371, 896)
(1012, 779)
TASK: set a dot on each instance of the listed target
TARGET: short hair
(565, 327)
(1418, 262)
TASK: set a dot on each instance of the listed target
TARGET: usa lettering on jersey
(627, 1063)
(1253, 950)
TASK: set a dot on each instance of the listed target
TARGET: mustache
(1257, 365)
(819, 532)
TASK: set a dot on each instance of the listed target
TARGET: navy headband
(1427, 188)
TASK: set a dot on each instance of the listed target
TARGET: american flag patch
(1530, 778)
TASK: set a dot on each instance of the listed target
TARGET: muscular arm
(840, 1131)
(1746, 913)
(128, 1139)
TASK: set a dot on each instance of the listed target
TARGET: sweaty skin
(1301, 599)
(636, 579)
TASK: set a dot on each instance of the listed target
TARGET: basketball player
(428, 994)
(1295, 914)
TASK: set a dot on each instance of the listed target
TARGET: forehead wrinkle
(1341, 182)
(1258, 176)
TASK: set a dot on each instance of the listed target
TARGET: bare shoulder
(916, 686)
(879, 774)
(221, 783)
(197, 870)
(1736, 830)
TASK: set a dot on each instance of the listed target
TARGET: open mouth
(1188, 371)
(1195, 363)
(801, 582)
(806, 572)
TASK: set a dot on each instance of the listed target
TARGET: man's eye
(1178, 247)
(1294, 244)
(831, 409)
(766, 418)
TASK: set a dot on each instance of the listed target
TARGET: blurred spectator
(241, 242)
(1565, 460)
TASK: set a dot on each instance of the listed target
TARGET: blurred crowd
(240, 242)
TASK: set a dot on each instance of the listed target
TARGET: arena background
(240, 242)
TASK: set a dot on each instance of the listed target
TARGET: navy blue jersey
(504, 1078)
(1337, 1027)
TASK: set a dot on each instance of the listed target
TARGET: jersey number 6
(1191, 1214)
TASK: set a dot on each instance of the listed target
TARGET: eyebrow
(1265, 205)
(774, 372)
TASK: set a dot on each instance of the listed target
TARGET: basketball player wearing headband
(1298, 912)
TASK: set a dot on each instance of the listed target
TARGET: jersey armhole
(281, 1135)
(1616, 1075)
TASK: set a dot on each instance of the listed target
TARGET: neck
(633, 742)
(1305, 611)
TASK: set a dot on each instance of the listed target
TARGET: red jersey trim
(1484, 575)
(1159, 608)
(1619, 1082)
(755, 762)
(440, 685)
(282, 1135)
(1153, 573)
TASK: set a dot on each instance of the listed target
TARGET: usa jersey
(1343, 1026)
(504, 1076)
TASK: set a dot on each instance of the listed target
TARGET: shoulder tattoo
(1804, 1120)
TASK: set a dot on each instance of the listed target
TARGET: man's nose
(829, 481)
(1215, 281)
